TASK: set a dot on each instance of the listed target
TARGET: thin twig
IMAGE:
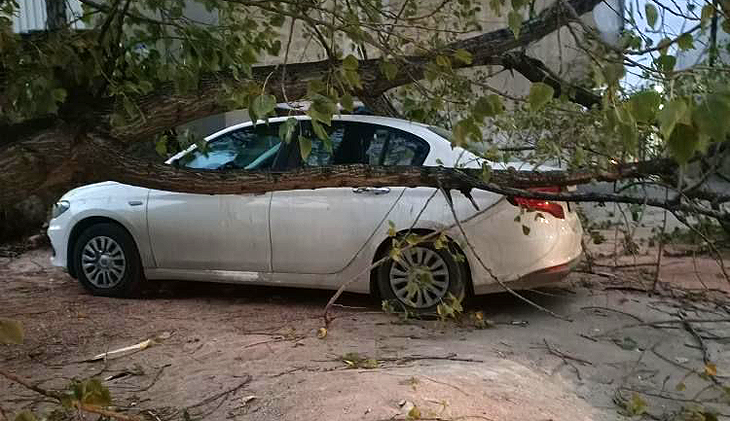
(661, 245)
(637, 318)
(700, 341)
(59, 397)
(563, 355)
(217, 396)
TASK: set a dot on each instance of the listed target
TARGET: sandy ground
(252, 353)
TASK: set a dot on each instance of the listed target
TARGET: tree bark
(56, 14)
(69, 158)
(535, 70)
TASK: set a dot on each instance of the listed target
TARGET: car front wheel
(107, 261)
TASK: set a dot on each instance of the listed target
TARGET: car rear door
(320, 231)
(217, 232)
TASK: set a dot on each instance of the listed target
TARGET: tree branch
(164, 108)
(535, 70)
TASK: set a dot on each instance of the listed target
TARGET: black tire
(129, 284)
(457, 278)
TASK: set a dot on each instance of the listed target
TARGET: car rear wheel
(107, 262)
(422, 278)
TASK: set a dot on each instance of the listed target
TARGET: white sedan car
(113, 237)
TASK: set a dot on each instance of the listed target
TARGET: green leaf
(389, 69)
(128, 106)
(161, 146)
(684, 42)
(514, 21)
(350, 63)
(391, 229)
(613, 72)
(683, 142)
(486, 172)
(443, 61)
(464, 130)
(711, 116)
(58, 94)
(463, 56)
(321, 109)
(11, 332)
(316, 86)
(540, 95)
(627, 126)
(263, 105)
(644, 106)
(319, 130)
(627, 343)
(666, 63)
(651, 14)
(707, 12)
(670, 115)
(663, 45)
(95, 393)
(305, 147)
(347, 102)
(277, 20)
(488, 106)
(286, 129)
(414, 413)
(637, 405)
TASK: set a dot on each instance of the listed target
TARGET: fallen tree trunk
(71, 159)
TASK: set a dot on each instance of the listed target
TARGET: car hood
(95, 190)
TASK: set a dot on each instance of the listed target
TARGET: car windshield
(248, 148)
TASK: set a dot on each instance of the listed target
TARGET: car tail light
(553, 208)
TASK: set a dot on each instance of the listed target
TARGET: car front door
(217, 232)
(321, 231)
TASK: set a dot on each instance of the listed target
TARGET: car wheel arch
(383, 248)
(82, 225)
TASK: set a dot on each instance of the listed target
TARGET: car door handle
(372, 190)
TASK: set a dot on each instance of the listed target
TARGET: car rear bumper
(518, 246)
(535, 279)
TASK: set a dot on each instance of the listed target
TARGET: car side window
(320, 155)
(389, 146)
(404, 149)
(247, 148)
(364, 143)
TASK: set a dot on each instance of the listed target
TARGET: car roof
(385, 121)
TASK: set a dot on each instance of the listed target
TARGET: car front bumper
(58, 234)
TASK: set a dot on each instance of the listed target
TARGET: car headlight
(60, 207)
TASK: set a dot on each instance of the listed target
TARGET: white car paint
(317, 238)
